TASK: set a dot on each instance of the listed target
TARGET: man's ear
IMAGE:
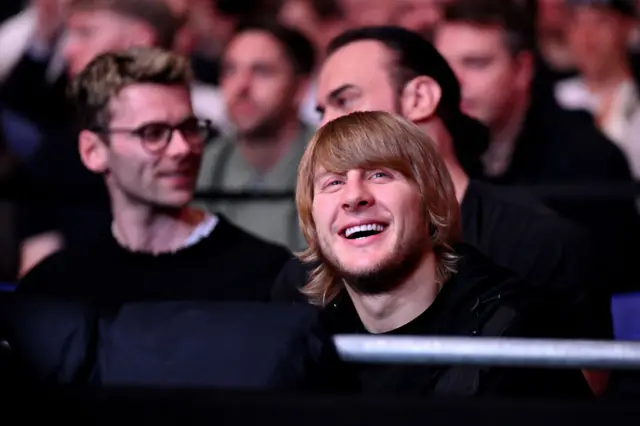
(525, 68)
(93, 151)
(420, 99)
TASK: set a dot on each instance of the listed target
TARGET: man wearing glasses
(139, 132)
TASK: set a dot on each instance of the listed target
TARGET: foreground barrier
(490, 351)
(111, 407)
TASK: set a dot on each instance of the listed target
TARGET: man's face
(368, 221)
(598, 38)
(164, 179)
(362, 13)
(259, 83)
(88, 35)
(420, 16)
(490, 77)
(299, 15)
(356, 77)
(91, 33)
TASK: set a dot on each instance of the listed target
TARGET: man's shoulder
(515, 210)
(293, 276)
(249, 244)
(63, 269)
(211, 156)
(480, 277)
(503, 303)
(578, 138)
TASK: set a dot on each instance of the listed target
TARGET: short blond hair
(369, 140)
(102, 80)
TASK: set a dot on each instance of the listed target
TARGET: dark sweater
(228, 265)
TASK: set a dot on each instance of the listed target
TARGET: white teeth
(362, 228)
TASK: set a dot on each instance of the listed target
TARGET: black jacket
(481, 300)
(556, 149)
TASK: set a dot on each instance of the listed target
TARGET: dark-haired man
(265, 75)
(488, 44)
(140, 135)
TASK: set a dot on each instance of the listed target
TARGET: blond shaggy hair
(368, 140)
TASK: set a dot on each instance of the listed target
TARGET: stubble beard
(387, 274)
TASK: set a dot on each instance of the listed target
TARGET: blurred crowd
(254, 85)
(534, 107)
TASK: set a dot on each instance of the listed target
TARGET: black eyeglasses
(155, 136)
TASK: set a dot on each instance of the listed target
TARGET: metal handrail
(489, 351)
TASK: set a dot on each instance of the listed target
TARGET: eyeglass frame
(136, 132)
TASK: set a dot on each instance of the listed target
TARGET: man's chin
(371, 280)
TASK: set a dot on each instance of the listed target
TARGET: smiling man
(378, 209)
(139, 133)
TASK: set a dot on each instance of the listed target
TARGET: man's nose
(178, 145)
(238, 85)
(356, 196)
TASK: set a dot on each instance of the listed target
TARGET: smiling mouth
(363, 231)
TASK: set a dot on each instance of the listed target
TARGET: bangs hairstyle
(371, 140)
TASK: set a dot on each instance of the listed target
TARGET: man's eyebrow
(322, 175)
(335, 93)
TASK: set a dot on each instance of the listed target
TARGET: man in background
(265, 75)
(140, 136)
(77, 204)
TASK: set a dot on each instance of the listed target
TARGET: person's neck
(506, 130)
(605, 82)
(148, 230)
(264, 152)
(386, 312)
(437, 131)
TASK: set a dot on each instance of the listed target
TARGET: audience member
(320, 21)
(395, 70)
(378, 208)
(488, 43)
(599, 39)
(265, 74)
(140, 135)
(420, 16)
(92, 27)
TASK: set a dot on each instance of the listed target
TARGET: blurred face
(91, 33)
(299, 14)
(166, 178)
(598, 39)
(368, 222)
(362, 13)
(490, 77)
(420, 16)
(259, 84)
(356, 78)
(552, 17)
